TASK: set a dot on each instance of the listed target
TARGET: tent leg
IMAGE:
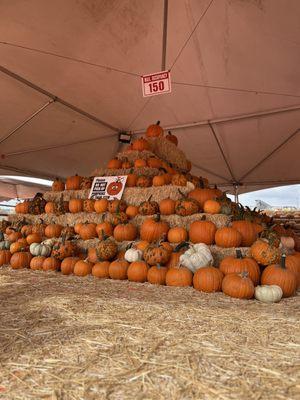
(236, 193)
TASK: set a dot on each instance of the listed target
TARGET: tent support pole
(21, 124)
(56, 98)
(165, 32)
(222, 151)
(270, 154)
(227, 119)
(236, 193)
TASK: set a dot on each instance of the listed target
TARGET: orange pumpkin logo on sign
(114, 188)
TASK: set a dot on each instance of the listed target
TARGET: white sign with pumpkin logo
(108, 187)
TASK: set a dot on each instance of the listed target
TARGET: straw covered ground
(63, 337)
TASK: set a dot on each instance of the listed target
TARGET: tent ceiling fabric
(250, 45)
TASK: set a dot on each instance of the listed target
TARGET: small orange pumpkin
(154, 130)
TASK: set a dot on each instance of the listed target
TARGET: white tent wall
(243, 58)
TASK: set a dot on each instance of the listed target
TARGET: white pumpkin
(197, 256)
(132, 255)
(40, 249)
(5, 245)
(268, 293)
(287, 242)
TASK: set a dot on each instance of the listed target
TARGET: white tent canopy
(70, 80)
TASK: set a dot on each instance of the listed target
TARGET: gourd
(268, 293)
(133, 255)
(197, 256)
(40, 249)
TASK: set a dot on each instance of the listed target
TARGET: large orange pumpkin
(228, 237)
(101, 206)
(118, 269)
(157, 275)
(202, 232)
(238, 285)
(83, 268)
(278, 274)
(153, 229)
(73, 182)
(20, 260)
(247, 231)
(68, 264)
(179, 276)
(208, 279)
(101, 270)
(5, 256)
(140, 144)
(37, 262)
(137, 271)
(239, 264)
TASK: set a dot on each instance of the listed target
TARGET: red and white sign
(157, 83)
(108, 187)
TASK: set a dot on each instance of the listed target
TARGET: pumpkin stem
(180, 246)
(244, 274)
(181, 193)
(169, 133)
(203, 218)
(283, 259)
(158, 122)
(201, 182)
(239, 254)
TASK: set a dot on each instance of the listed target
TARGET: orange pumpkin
(34, 238)
(158, 180)
(68, 264)
(179, 180)
(154, 130)
(140, 144)
(292, 263)
(83, 268)
(51, 264)
(20, 260)
(143, 181)
(153, 229)
(26, 230)
(132, 211)
(172, 138)
(88, 205)
(73, 182)
(153, 162)
(228, 237)
(202, 232)
(101, 205)
(17, 246)
(14, 236)
(124, 232)
(77, 227)
(104, 229)
(157, 275)
(238, 286)
(75, 205)
(179, 276)
(116, 206)
(208, 279)
(142, 245)
(239, 264)
(126, 164)
(247, 231)
(36, 263)
(131, 180)
(101, 270)
(265, 253)
(114, 164)
(58, 185)
(5, 256)
(118, 269)
(177, 235)
(88, 231)
(202, 194)
(212, 207)
(53, 230)
(137, 271)
(22, 208)
(167, 207)
(140, 163)
(278, 274)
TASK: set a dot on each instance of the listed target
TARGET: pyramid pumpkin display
(170, 228)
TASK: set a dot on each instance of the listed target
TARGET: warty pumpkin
(156, 254)
(58, 185)
(148, 207)
(264, 252)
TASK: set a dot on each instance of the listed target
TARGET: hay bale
(70, 219)
(125, 171)
(133, 155)
(134, 195)
(166, 150)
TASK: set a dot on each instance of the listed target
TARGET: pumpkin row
(232, 278)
